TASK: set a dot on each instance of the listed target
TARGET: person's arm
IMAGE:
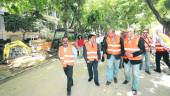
(74, 52)
(98, 52)
(141, 46)
(85, 53)
(154, 41)
(59, 49)
(162, 42)
(122, 47)
(104, 46)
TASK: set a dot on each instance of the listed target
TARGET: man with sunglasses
(67, 53)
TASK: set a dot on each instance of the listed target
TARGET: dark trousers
(69, 73)
(92, 69)
(165, 56)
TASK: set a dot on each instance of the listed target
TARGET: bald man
(134, 48)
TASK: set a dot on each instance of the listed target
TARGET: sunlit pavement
(49, 80)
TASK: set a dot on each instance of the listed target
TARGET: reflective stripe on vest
(67, 57)
(91, 51)
(131, 47)
(113, 47)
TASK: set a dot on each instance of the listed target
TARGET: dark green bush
(15, 23)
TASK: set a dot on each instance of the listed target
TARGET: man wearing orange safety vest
(161, 51)
(114, 49)
(124, 35)
(134, 48)
(92, 55)
(67, 53)
(148, 41)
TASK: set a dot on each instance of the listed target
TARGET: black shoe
(97, 83)
(159, 71)
(115, 79)
(68, 93)
(125, 82)
(134, 92)
(90, 79)
(108, 83)
(148, 72)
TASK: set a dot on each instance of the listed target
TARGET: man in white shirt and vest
(67, 54)
(161, 51)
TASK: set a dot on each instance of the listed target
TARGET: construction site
(84, 48)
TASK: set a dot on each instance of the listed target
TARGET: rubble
(27, 61)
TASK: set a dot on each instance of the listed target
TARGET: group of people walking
(129, 47)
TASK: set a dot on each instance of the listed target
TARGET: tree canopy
(96, 15)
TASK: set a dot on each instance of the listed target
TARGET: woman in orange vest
(134, 48)
(67, 53)
(91, 55)
(148, 41)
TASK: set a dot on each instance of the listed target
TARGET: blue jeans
(112, 68)
(147, 60)
(135, 72)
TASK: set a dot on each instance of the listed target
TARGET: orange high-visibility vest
(131, 46)
(147, 43)
(113, 47)
(67, 58)
(91, 51)
(159, 47)
(125, 57)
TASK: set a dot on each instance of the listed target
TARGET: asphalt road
(50, 80)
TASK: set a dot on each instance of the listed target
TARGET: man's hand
(129, 54)
(105, 56)
(88, 61)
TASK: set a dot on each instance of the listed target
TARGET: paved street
(49, 80)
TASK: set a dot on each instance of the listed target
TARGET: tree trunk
(24, 33)
(166, 24)
(65, 14)
(72, 23)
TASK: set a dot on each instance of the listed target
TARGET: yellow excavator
(15, 49)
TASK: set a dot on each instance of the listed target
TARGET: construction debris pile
(18, 54)
(27, 61)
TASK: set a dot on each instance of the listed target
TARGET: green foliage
(167, 4)
(93, 17)
(84, 14)
(48, 24)
(15, 23)
(10, 21)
